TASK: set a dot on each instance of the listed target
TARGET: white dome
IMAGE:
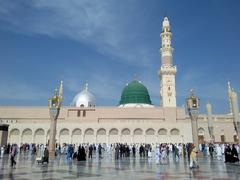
(84, 99)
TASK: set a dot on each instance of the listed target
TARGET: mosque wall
(223, 128)
(110, 125)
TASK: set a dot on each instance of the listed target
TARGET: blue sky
(107, 42)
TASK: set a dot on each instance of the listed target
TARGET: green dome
(136, 93)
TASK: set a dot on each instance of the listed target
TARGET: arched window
(77, 132)
(15, 132)
(162, 131)
(64, 132)
(39, 132)
(125, 131)
(89, 132)
(174, 131)
(101, 132)
(113, 132)
(138, 131)
(150, 131)
(27, 132)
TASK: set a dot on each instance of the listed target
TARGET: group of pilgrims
(229, 153)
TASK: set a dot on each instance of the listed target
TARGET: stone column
(107, 138)
(156, 139)
(195, 130)
(83, 138)
(54, 112)
(210, 121)
(132, 139)
(120, 138)
(235, 109)
(95, 139)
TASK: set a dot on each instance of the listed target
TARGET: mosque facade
(135, 119)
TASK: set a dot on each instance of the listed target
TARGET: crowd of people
(229, 153)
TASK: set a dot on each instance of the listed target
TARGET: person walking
(134, 151)
(193, 156)
(234, 154)
(117, 149)
(45, 155)
(219, 152)
(228, 156)
(211, 150)
(100, 151)
(2, 151)
(13, 154)
(90, 151)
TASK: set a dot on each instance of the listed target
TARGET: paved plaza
(109, 168)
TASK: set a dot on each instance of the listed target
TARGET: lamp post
(210, 121)
(193, 110)
(54, 104)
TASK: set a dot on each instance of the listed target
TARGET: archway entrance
(200, 139)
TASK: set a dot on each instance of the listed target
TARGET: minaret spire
(86, 86)
(229, 96)
(61, 90)
(167, 70)
(166, 49)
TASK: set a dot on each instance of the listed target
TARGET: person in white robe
(219, 152)
(2, 151)
(157, 155)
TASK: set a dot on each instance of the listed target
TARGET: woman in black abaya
(79, 154)
(234, 154)
(228, 156)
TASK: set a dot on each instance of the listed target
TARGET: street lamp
(193, 110)
(54, 104)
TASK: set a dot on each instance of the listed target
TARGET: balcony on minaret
(167, 70)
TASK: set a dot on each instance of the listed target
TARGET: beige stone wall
(109, 125)
(223, 126)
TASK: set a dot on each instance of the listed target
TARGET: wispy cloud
(102, 86)
(21, 91)
(102, 24)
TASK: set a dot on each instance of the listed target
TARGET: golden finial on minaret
(56, 100)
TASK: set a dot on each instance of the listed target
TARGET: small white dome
(84, 99)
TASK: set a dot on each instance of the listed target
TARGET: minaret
(229, 97)
(86, 87)
(167, 70)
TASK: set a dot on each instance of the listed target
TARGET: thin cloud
(101, 24)
(21, 91)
